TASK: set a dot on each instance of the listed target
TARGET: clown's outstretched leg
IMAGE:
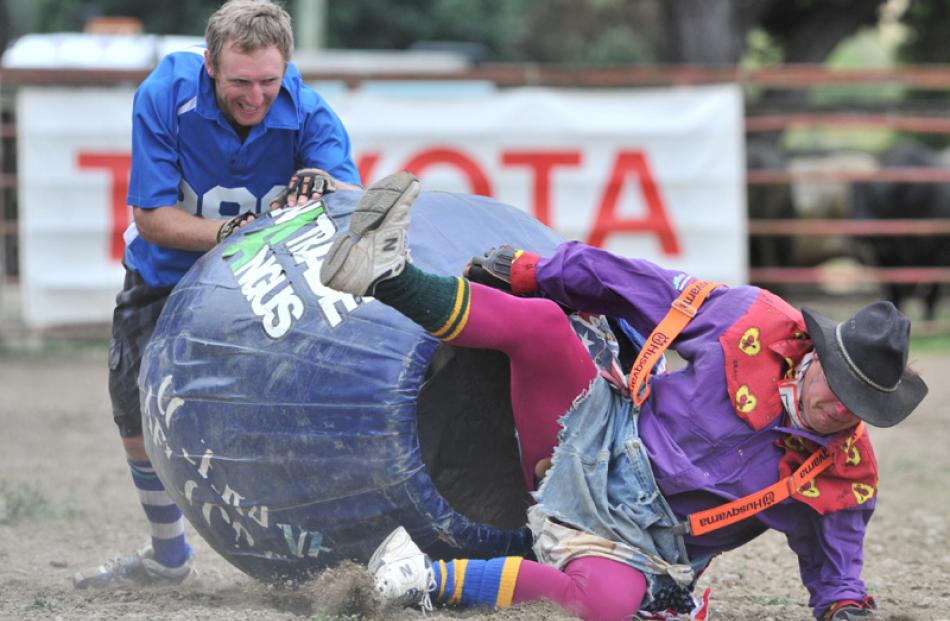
(550, 367)
(593, 588)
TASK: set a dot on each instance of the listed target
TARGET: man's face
(821, 409)
(246, 84)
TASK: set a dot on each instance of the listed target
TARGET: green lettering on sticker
(251, 244)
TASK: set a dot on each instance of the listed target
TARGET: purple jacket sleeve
(831, 557)
(593, 280)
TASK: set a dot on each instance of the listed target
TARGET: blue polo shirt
(185, 154)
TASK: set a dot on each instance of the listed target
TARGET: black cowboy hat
(865, 362)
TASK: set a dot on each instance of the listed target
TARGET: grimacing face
(821, 409)
(246, 84)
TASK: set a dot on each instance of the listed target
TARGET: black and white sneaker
(401, 572)
(137, 569)
(375, 247)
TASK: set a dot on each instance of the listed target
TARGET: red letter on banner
(477, 180)
(541, 162)
(117, 164)
(656, 220)
(366, 165)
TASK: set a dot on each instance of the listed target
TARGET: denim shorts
(600, 497)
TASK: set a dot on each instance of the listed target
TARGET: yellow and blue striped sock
(470, 582)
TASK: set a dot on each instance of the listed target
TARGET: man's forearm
(173, 228)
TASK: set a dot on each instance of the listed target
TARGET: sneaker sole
(370, 212)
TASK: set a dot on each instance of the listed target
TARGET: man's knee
(135, 448)
(605, 590)
(547, 312)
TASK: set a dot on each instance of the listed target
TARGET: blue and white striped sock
(164, 517)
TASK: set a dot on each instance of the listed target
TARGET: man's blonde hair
(250, 25)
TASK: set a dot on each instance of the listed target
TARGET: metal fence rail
(827, 227)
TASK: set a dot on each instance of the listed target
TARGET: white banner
(72, 175)
(656, 174)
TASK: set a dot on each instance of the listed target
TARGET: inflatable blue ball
(296, 426)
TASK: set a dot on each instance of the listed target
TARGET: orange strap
(737, 510)
(682, 310)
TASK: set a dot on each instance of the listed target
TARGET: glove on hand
(232, 224)
(309, 182)
(494, 267)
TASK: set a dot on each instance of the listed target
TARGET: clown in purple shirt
(630, 486)
(702, 452)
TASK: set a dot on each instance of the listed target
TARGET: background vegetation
(572, 31)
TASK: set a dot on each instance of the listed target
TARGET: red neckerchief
(761, 350)
(850, 481)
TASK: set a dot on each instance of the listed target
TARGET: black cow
(900, 200)
(768, 202)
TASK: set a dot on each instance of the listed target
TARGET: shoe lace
(426, 602)
(123, 562)
(114, 568)
(110, 565)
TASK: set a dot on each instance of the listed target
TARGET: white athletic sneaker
(138, 569)
(401, 572)
(375, 247)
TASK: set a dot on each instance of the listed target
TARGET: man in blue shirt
(216, 134)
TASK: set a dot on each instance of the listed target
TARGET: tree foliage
(185, 18)
(5, 30)
(565, 31)
(928, 32)
(589, 31)
(607, 31)
(369, 24)
(809, 30)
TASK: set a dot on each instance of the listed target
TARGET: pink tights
(550, 366)
(593, 588)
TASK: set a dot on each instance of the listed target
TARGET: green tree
(566, 31)
(369, 24)
(928, 32)
(589, 31)
(808, 31)
(710, 32)
(5, 29)
(186, 18)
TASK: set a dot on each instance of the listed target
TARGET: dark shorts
(136, 313)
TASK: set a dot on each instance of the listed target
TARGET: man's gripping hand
(493, 268)
(506, 268)
(232, 224)
(307, 184)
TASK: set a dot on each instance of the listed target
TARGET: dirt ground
(66, 502)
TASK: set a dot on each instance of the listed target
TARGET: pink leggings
(593, 588)
(550, 367)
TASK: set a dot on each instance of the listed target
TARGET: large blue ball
(283, 416)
